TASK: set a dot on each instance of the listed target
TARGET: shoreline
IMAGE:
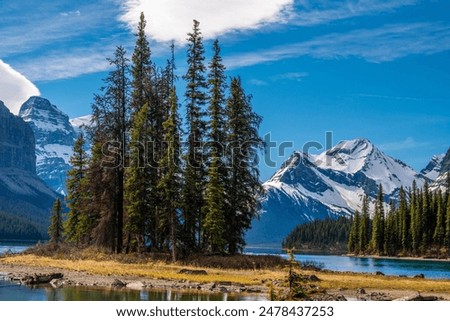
(254, 284)
(406, 258)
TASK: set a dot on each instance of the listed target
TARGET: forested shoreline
(148, 185)
(417, 225)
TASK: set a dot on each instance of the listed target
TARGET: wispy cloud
(65, 65)
(296, 76)
(287, 76)
(170, 19)
(382, 44)
(311, 13)
(15, 89)
(407, 143)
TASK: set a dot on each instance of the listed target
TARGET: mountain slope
(332, 184)
(442, 180)
(22, 193)
(54, 140)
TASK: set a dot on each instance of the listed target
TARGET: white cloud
(171, 19)
(377, 45)
(67, 65)
(15, 89)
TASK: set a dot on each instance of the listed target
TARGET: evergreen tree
(378, 224)
(170, 183)
(426, 221)
(391, 231)
(74, 228)
(439, 232)
(353, 242)
(55, 231)
(111, 118)
(142, 69)
(214, 222)
(136, 184)
(447, 223)
(404, 221)
(415, 219)
(195, 172)
(244, 188)
(365, 226)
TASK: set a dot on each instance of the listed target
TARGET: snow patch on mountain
(331, 184)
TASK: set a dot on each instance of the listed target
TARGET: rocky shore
(30, 275)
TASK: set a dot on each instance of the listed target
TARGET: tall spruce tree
(195, 171)
(365, 226)
(136, 183)
(111, 114)
(215, 197)
(244, 187)
(353, 242)
(415, 219)
(142, 69)
(55, 231)
(439, 232)
(404, 221)
(378, 224)
(171, 183)
(74, 227)
(447, 223)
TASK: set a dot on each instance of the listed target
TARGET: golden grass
(330, 280)
(167, 271)
(153, 270)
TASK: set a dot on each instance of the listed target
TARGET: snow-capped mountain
(309, 187)
(433, 169)
(441, 182)
(80, 123)
(55, 136)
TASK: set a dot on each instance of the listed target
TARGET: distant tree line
(17, 228)
(417, 225)
(147, 185)
(329, 235)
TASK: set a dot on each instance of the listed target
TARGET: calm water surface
(10, 291)
(408, 267)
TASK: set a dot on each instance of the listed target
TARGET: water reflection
(14, 292)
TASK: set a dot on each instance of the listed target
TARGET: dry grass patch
(330, 280)
(151, 270)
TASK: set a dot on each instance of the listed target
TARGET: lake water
(389, 266)
(10, 291)
(14, 247)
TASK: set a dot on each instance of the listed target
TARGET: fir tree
(378, 224)
(195, 171)
(170, 183)
(404, 221)
(447, 224)
(136, 184)
(74, 228)
(142, 69)
(353, 236)
(215, 198)
(111, 118)
(244, 188)
(55, 231)
(364, 228)
(439, 232)
(415, 219)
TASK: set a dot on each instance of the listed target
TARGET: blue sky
(358, 68)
